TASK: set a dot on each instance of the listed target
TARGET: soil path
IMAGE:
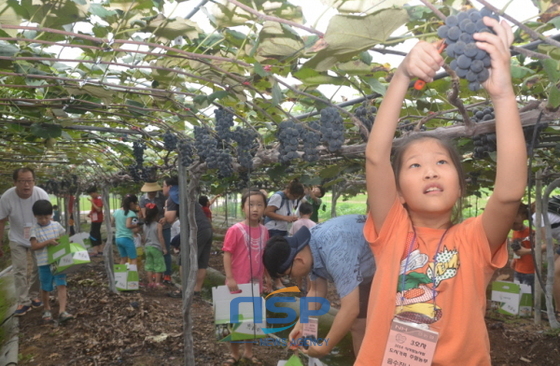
(145, 328)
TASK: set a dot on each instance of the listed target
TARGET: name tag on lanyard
(409, 344)
(27, 231)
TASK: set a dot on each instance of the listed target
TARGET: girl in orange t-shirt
(429, 291)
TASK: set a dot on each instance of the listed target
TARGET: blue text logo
(270, 304)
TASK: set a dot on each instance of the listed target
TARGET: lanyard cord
(249, 246)
(21, 211)
(434, 261)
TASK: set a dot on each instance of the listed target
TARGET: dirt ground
(145, 328)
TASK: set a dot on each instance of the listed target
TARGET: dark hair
(151, 213)
(42, 207)
(397, 163)
(127, 200)
(23, 170)
(322, 190)
(295, 188)
(203, 200)
(251, 192)
(305, 208)
(171, 181)
(275, 255)
(55, 207)
(524, 210)
(92, 189)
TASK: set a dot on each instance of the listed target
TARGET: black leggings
(95, 233)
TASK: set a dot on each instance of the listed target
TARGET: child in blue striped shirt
(44, 233)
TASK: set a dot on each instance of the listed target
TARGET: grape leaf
(348, 35)
(46, 130)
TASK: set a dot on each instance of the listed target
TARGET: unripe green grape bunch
(469, 62)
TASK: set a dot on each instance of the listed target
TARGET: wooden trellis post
(538, 240)
(187, 198)
(549, 257)
(108, 249)
(76, 211)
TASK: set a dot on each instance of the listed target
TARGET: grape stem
(452, 96)
(434, 9)
(530, 53)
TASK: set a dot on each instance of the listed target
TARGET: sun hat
(150, 187)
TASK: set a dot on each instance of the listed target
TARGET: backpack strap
(284, 199)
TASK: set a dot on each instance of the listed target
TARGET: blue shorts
(47, 278)
(126, 247)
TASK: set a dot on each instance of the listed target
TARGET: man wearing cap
(336, 251)
(153, 194)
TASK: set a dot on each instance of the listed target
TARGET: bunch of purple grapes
(470, 62)
(311, 138)
(483, 114)
(169, 141)
(366, 115)
(332, 129)
(247, 144)
(224, 121)
(288, 135)
(186, 152)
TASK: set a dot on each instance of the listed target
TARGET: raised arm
(214, 199)
(511, 163)
(422, 62)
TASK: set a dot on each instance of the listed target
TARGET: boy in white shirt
(44, 233)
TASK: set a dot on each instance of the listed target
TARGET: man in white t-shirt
(15, 206)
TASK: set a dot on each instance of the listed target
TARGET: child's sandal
(230, 361)
(47, 316)
(177, 294)
(252, 361)
(64, 317)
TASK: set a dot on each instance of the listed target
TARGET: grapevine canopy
(82, 81)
